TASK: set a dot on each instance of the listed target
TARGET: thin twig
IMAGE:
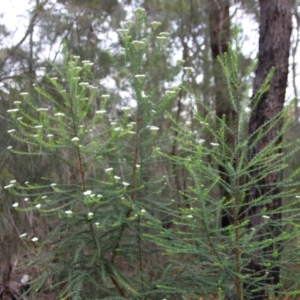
(30, 27)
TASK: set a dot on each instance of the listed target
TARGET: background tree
(220, 36)
(274, 46)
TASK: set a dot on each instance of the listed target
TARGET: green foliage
(107, 187)
(113, 230)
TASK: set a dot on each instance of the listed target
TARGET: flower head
(161, 39)
(138, 44)
(84, 84)
(87, 193)
(171, 93)
(204, 123)
(155, 25)
(165, 34)
(129, 23)
(13, 110)
(125, 108)
(103, 111)
(180, 62)
(90, 215)
(188, 70)
(123, 32)
(139, 12)
(8, 186)
(140, 77)
(153, 128)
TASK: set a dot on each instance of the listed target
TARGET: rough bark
(274, 45)
(219, 29)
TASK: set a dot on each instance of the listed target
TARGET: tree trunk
(219, 30)
(274, 45)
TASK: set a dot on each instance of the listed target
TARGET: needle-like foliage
(113, 231)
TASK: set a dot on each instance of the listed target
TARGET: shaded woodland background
(200, 30)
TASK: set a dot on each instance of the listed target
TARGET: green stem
(133, 192)
(82, 176)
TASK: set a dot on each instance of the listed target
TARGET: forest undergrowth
(130, 209)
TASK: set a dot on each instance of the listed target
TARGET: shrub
(112, 229)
